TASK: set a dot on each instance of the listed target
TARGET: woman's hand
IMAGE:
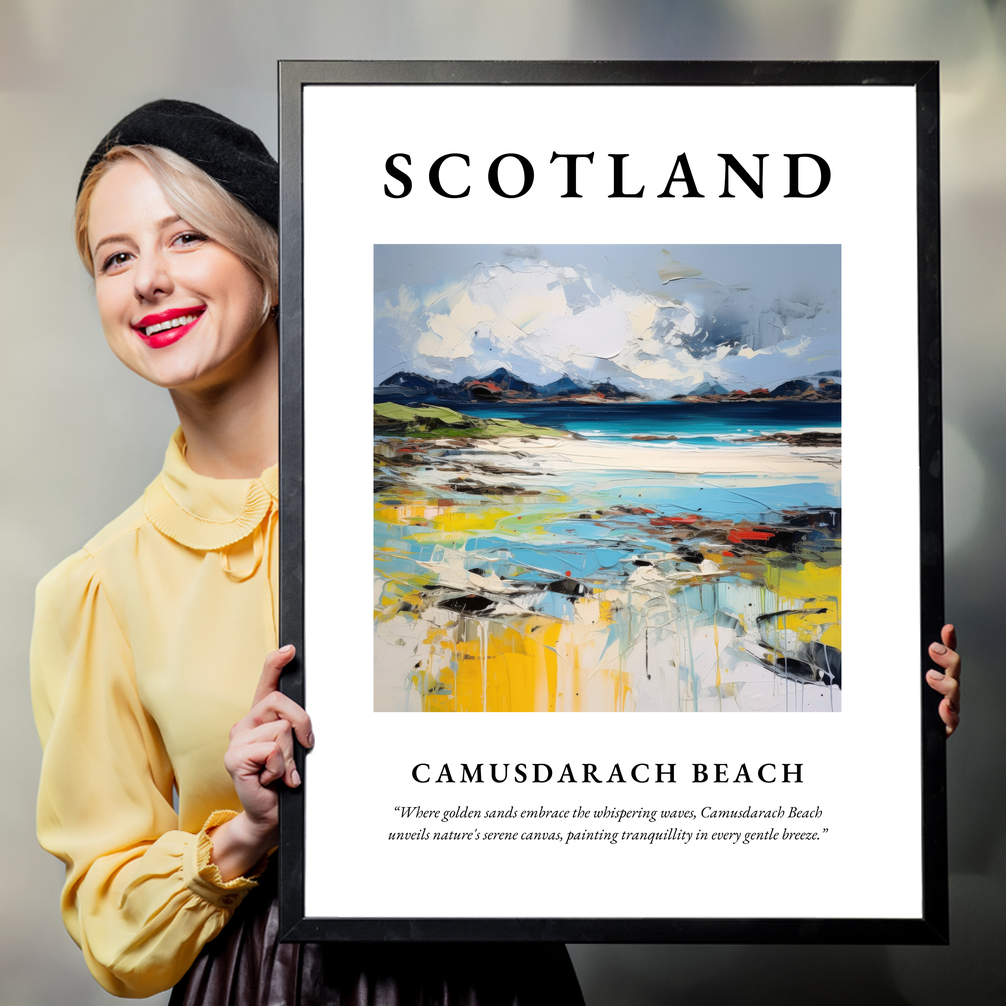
(260, 753)
(947, 682)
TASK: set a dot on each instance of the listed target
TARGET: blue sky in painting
(659, 320)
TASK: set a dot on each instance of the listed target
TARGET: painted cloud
(659, 321)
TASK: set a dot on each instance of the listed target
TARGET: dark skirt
(246, 965)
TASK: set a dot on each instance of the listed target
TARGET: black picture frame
(932, 925)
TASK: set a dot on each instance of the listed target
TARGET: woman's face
(177, 308)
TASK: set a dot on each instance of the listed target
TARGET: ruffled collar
(203, 513)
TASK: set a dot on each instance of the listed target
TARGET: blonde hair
(199, 200)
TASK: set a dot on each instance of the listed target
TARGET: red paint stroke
(688, 518)
(737, 535)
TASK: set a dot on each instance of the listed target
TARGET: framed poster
(610, 426)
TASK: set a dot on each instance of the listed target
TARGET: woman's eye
(114, 261)
(190, 238)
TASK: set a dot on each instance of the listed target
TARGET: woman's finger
(950, 716)
(259, 760)
(949, 636)
(950, 689)
(277, 706)
(278, 732)
(271, 671)
(273, 766)
(944, 684)
(948, 659)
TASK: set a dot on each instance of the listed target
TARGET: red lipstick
(166, 327)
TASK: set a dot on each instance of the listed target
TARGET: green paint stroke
(432, 422)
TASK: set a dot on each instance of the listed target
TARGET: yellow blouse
(147, 647)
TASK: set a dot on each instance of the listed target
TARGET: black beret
(230, 154)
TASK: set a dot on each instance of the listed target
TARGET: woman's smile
(166, 327)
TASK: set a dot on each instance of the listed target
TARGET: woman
(148, 643)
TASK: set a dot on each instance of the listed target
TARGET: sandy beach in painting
(607, 479)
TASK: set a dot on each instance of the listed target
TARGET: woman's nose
(152, 277)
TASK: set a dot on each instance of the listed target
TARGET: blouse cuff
(202, 876)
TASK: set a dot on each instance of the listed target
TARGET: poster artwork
(624, 335)
(607, 478)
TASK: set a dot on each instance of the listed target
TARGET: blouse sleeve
(141, 898)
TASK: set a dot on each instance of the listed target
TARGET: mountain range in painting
(504, 386)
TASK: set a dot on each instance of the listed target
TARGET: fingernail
(287, 649)
(310, 740)
(295, 777)
(936, 675)
(938, 648)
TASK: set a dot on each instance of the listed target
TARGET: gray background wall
(81, 436)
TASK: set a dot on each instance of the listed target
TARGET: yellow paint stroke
(810, 586)
(716, 644)
(519, 667)
(484, 519)
(405, 513)
(456, 517)
(590, 667)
